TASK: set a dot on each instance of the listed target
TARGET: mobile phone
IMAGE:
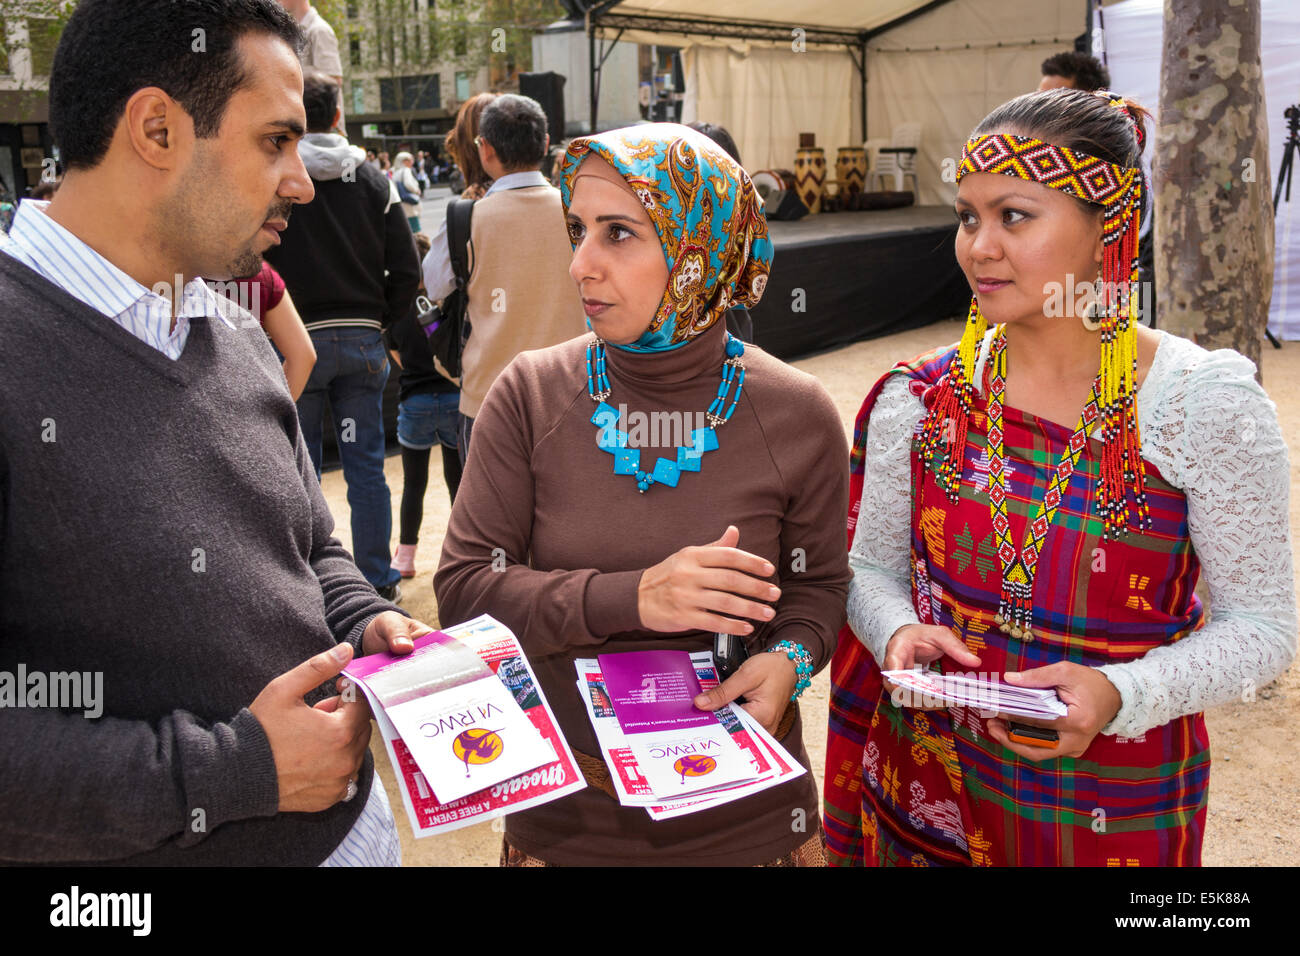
(729, 652)
(1033, 736)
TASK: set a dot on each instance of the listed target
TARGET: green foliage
(44, 21)
(397, 39)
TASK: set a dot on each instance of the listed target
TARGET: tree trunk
(1214, 213)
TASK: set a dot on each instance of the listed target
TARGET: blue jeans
(426, 419)
(350, 373)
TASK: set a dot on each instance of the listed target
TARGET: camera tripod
(1292, 114)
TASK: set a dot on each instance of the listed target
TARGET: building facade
(408, 65)
(26, 55)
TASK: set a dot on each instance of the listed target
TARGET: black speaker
(784, 205)
(548, 90)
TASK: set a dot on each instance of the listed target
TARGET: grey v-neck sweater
(160, 524)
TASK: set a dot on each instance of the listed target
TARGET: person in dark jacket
(348, 259)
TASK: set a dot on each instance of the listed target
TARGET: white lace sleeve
(880, 596)
(1214, 433)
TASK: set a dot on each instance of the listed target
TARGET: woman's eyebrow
(1000, 200)
(608, 217)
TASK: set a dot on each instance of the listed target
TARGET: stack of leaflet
(918, 688)
(665, 755)
(467, 727)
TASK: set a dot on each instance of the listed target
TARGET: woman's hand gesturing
(707, 588)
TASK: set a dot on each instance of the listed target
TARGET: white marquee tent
(769, 70)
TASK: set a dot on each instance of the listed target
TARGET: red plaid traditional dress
(915, 787)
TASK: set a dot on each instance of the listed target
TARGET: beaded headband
(1085, 177)
(1119, 190)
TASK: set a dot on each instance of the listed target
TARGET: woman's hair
(1076, 119)
(553, 164)
(1079, 120)
(423, 244)
(460, 141)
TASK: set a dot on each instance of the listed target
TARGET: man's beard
(247, 264)
(191, 215)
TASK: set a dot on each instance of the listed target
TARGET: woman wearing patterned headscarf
(1042, 498)
(655, 482)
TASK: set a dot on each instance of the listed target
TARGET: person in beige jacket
(520, 294)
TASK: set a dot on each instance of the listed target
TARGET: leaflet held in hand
(679, 748)
(919, 688)
(460, 723)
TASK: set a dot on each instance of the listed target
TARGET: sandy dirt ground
(1255, 779)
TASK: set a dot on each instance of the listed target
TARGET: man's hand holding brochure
(467, 728)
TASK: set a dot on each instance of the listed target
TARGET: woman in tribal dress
(1020, 514)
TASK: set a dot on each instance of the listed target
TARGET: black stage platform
(863, 274)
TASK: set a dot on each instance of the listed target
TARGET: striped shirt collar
(521, 180)
(57, 254)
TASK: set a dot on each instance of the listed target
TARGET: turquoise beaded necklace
(666, 471)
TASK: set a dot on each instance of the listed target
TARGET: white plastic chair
(897, 165)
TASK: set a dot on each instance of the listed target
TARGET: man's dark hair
(1084, 71)
(320, 100)
(720, 136)
(516, 127)
(112, 48)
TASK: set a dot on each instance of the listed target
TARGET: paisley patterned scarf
(707, 213)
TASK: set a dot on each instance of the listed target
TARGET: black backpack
(447, 326)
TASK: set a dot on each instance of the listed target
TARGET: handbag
(403, 193)
(447, 325)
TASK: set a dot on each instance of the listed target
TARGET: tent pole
(862, 70)
(594, 75)
(861, 64)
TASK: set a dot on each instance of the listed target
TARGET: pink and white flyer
(497, 651)
(770, 763)
(678, 748)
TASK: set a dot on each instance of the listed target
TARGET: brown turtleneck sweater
(576, 537)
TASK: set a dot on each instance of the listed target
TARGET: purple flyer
(653, 691)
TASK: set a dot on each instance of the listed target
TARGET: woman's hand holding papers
(1091, 697)
(916, 644)
(766, 681)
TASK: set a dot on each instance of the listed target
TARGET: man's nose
(297, 185)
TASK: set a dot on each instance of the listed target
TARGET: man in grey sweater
(162, 530)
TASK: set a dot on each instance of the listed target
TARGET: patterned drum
(810, 176)
(851, 169)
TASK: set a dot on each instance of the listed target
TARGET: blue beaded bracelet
(803, 665)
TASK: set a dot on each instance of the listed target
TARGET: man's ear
(152, 118)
